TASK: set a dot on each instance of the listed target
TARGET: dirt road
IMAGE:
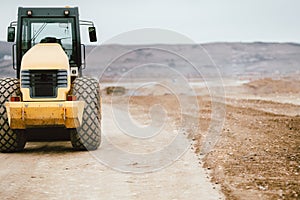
(54, 171)
(256, 156)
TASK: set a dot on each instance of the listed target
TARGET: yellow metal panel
(23, 115)
(45, 56)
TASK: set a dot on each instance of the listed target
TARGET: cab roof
(48, 12)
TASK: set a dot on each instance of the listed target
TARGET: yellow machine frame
(40, 112)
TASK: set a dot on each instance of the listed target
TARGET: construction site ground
(257, 154)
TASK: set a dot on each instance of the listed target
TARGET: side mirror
(92, 34)
(11, 34)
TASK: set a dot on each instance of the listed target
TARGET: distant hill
(5, 48)
(5, 59)
(232, 59)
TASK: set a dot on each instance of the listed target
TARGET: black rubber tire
(10, 140)
(88, 135)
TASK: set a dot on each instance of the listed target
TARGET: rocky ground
(258, 151)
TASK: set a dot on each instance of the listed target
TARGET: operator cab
(49, 31)
(50, 25)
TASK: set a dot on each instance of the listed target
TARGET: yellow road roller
(49, 89)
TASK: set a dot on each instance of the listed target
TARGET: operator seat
(51, 40)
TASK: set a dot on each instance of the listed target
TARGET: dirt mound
(271, 86)
(257, 155)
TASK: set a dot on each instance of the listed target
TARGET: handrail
(13, 56)
(83, 64)
(13, 23)
(86, 23)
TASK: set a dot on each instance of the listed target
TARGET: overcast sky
(201, 20)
